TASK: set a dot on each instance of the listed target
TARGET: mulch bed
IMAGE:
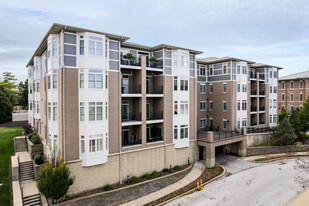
(14, 124)
(270, 159)
(124, 184)
(208, 174)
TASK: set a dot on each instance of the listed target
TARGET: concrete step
(32, 200)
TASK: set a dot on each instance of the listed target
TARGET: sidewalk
(300, 200)
(196, 171)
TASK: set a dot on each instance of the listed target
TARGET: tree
(8, 81)
(295, 121)
(283, 114)
(6, 107)
(304, 115)
(283, 134)
(54, 180)
(23, 93)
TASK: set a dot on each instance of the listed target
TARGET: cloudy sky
(269, 31)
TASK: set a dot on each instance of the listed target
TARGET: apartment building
(236, 93)
(293, 90)
(109, 107)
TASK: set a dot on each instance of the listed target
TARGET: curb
(194, 189)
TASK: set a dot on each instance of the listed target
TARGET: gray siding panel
(113, 55)
(201, 79)
(219, 78)
(113, 65)
(192, 65)
(69, 38)
(168, 62)
(158, 54)
(218, 66)
(218, 72)
(168, 54)
(113, 45)
(69, 61)
(69, 49)
(192, 57)
(168, 70)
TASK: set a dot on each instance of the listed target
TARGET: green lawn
(6, 151)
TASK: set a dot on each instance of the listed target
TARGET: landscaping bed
(275, 158)
(208, 174)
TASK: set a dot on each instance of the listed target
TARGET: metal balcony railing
(154, 90)
(252, 75)
(253, 92)
(156, 65)
(262, 76)
(262, 108)
(125, 117)
(253, 109)
(154, 139)
(130, 62)
(262, 92)
(131, 89)
(154, 115)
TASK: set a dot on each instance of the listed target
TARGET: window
(301, 84)
(183, 59)
(48, 81)
(91, 111)
(274, 103)
(95, 111)
(106, 109)
(224, 87)
(92, 145)
(244, 122)
(292, 85)
(238, 105)
(82, 144)
(81, 45)
(202, 105)
(238, 69)
(54, 46)
(202, 70)
(211, 71)
(175, 84)
(211, 87)
(55, 144)
(30, 105)
(38, 107)
(224, 69)
(202, 88)
(34, 108)
(211, 106)
(55, 79)
(175, 58)
(270, 74)
(175, 132)
(292, 97)
(238, 87)
(224, 105)
(244, 105)
(95, 46)
(270, 119)
(270, 89)
(274, 119)
(224, 124)
(184, 107)
(38, 86)
(238, 123)
(282, 97)
(184, 85)
(81, 80)
(211, 122)
(49, 111)
(55, 111)
(270, 103)
(99, 110)
(275, 89)
(82, 111)
(282, 85)
(184, 132)
(244, 70)
(301, 97)
(95, 79)
(244, 88)
(30, 85)
(95, 143)
(202, 122)
(175, 108)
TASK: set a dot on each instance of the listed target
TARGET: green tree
(6, 107)
(54, 180)
(283, 134)
(295, 121)
(9, 81)
(304, 115)
(23, 93)
(283, 114)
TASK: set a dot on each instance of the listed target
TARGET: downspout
(195, 109)
(63, 96)
(164, 113)
(119, 123)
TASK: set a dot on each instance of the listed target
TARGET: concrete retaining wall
(275, 149)
(20, 115)
(133, 163)
(32, 148)
(256, 139)
(129, 193)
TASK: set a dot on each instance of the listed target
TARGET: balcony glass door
(125, 85)
(125, 137)
(125, 111)
(148, 110)
(147, 86)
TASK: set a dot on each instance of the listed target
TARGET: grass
(6, 151)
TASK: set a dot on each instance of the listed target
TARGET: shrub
(27, 128)
(30, 135)
(165, 170)
(134, 180)
(35, 153)
(35, 139)
(155, 174)
(283, 134)
(108, 187)
(129, 56)
(177, 168)
(153, 59)
(54, 179)
(38, 158)
(147, 176)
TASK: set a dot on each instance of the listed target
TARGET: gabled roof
(300, 75)
(212, 60)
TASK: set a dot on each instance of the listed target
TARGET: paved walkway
(196, 171)
(300, 200)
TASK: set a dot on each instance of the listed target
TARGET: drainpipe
(195, 111)
(164, 112)
(119, 126)
(63, 96)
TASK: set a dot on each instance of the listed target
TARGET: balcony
(252, 75)
(154, 134)
(131, 90)
(128, 118)
(154, 139)
(154, 91)
(130, 62)
(253, 109)
(262, 109)
(262, 122)
(262, 77)
(130, 136)
(262, 92)
(154, 65)
(253, 92)
(155, 117)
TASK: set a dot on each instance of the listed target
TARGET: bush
(108, 187)
(155, 174)
(177, 168)
(54, 179)
(129, 56)
(30, 135)
(35, 139)
(134, 180)
(283, 134)
(147, 176)
(27, 128)
(165, 170)
(38, 158)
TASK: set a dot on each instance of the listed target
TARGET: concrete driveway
(253, 183)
